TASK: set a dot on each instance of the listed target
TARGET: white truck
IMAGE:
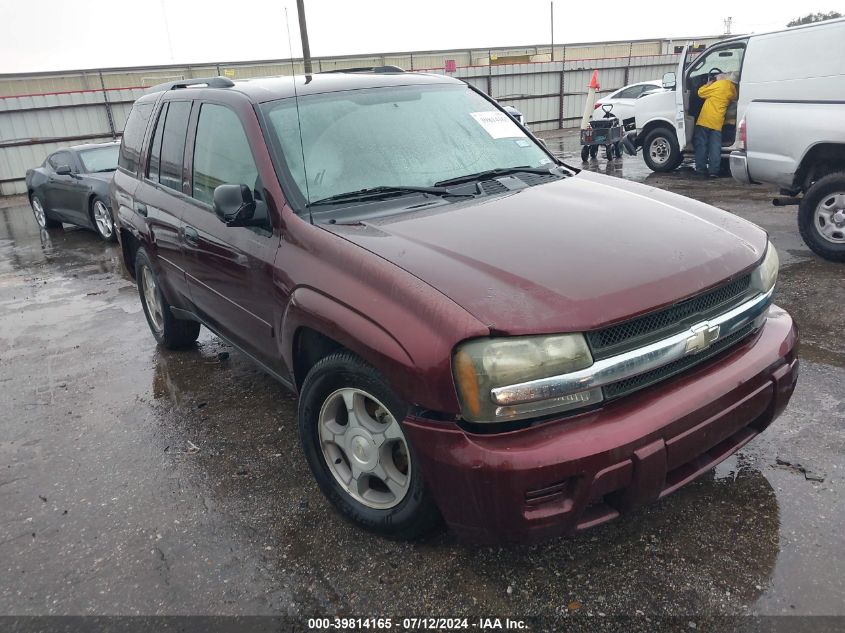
(800, 63)
(799, 145)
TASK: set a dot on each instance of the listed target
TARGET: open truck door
(684, 122)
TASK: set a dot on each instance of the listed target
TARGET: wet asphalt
(134, 480)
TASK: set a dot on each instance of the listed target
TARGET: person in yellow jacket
(707, 140)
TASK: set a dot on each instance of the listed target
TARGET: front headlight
(484, 364)
(766, 274)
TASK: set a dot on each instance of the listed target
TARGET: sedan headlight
(766, 274)
(483, 364)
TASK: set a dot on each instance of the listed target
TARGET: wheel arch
(817, 162)
(653, 124)
(315, 325)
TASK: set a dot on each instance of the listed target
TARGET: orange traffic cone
(591, 100)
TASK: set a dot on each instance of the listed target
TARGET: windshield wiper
(500, 171)
(384, 192)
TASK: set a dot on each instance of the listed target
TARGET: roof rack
(211, 82)
(367, 69)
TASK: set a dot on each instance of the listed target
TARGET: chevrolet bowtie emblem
(702, 337)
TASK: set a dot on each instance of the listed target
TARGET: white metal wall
(91, 106)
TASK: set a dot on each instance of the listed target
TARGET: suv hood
(570, 255)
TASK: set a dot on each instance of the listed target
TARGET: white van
(800, 63)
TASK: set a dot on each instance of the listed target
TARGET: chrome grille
(661, 323)
(640, 381)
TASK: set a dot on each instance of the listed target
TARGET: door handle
(141, 208)
(192, 236)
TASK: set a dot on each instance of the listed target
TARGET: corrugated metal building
(40, 112)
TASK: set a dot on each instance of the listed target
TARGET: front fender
(310, 308)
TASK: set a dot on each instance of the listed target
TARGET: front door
(65, 193)
(229, 270)
(721, 59)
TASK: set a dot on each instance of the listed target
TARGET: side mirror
(669, 80)
(234, 204)
(64, 170)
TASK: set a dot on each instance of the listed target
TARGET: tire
(40, 212)
(821, 217)
(101, 218)
(608, 152)
(168, 331)
(585, 153)
(661, 151)
(618, 148)
(380, 487)
(594, 151)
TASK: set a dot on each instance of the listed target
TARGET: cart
(607, 131)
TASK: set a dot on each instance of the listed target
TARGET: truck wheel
(351, 432)
(168, 331)
(661, 151)
(821, 217)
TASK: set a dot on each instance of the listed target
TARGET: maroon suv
(475, 330)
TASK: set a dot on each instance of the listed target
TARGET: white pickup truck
(799, 145)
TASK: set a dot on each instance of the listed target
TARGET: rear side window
(155, 150)
(133, 136)
(221, 153)
(173, 143)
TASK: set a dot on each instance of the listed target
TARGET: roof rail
(211, 82)
(367, 69)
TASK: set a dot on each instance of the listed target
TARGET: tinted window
(60, 158)
(99, 158)
(173, 143)
(630, 93)
(133, 136)
(221, 152)
(155, 150)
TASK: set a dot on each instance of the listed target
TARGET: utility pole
(553, 29)
(303, 35)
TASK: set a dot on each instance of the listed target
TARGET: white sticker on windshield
(497, 124)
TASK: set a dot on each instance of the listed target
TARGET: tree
(814, 17)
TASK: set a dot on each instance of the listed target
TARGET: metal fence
(44, 111)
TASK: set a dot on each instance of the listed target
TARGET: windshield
(398, 136)
(100, 159)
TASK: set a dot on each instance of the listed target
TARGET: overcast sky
(40, 35)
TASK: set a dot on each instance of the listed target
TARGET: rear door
(230, 269)
(161, 195)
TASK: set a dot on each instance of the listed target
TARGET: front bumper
(568, 475)
(739, 167)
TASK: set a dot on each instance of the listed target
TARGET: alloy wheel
(365, 448)
(102, 219)
(38, 211)
(152, 299)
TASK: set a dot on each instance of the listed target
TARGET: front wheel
(821, 217)
(661, 151)
(103, 222)
(168, 331)
(351, 432)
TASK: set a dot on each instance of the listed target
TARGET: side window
(133, 136)
(630, 93)
(60, 158)
(221, 153)
(173, 144)
(155, 151)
